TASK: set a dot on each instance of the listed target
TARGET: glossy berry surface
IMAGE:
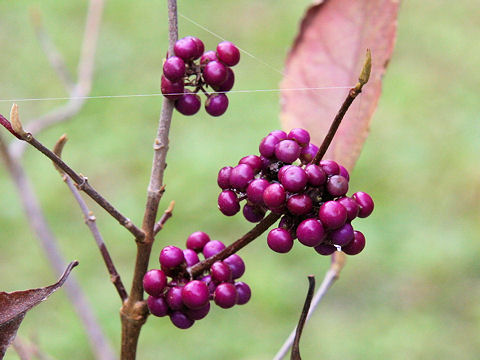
(228, 53)
(310, 232)
(216, 104)
(154, 282)
(301, 136)
(215, 73)
(197, 240)
(332, 215)
(241, 176)
(287, 151)
(356, 245)
(195, 294)
(236, 264)
(225, 295)
(171, 256)
(364, 202)
(186, 48)
(212, 247)
(243, 293)
(180, 320)
(228, 203)
(172, 89)
(191, 257)
(325, 249)
(174, 68)
(280, 240)
(342, 236)
(220, 272)
(157, 306)
(188, 104)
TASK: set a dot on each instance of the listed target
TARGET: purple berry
(316, 176)
(279, 134)
(188, 104)
(228, 203)
(351, 206)
(225, 295)
(171, 90)
(325, 249)
(207, 57)
(310, 232)
(282, 171)
(212, 248)
(287, 151)
(186, 48)
(198, 314)
(308, 153)
(330, 167)
(180, 320)
(300, 204)
(332, 215)
(356, 245)
(191, 257)
(174, 68)
(236, 264)
(240, 176)
(301, 136)
(223, 178)
(211, 285)
(294, 179)
(253, 213)
(215, 73)
(243, 293)
(195, 294)
(280, 240)
(267, 146)
(171, 257)
(220, 272)
(342, 236)
(174, 298)
(227, 85)
(337, 185)
(216, 104)
(255, 190)
(154, 282)
(228, 53)
(254, 161)
(274, 196)
(157, 306)
(344, 173)
(197, 240)
(199, 46)
(365, 203)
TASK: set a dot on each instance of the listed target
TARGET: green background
(415, 291)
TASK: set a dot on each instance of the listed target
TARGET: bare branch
(166, 215)
(99, 344)
(303, 317)
(83, 85)
(338, 262)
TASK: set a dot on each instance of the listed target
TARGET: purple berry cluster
(191, 67)
(172, 292)
(312, 198)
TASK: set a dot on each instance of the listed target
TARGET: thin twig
(303, 317)
(352, 94)
(338, 262)
(34, 214)
(258, 230)
(167, 214)
(83, 84)
(134, 312)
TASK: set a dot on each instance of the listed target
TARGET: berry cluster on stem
(191, 67)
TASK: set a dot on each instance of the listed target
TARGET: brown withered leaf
(14, 306)
(329, 51)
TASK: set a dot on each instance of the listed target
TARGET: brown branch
(352, 94)
(90, 220)
(303, 317)
(34, 214)
(134, 312)
(338, 262)
(166, 215)
(258, 230)
(80, 180)
(83, 84)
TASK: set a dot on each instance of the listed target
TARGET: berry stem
(258, 230)
(352, 94)
(303, 318)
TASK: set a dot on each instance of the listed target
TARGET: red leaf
(14, 306)
(330, 51)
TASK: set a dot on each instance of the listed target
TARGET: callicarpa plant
(295, 188)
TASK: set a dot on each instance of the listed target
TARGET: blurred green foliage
(413, 294)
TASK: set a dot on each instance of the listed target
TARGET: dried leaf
(329, 51)
(14, 306)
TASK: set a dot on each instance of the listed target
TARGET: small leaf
(14, 306)
(329, 51)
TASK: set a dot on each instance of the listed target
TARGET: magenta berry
(240, 176)
(197, 240)
(195, 294)
(200, 47)
(172, 89)
(157, 306)
(301, 136)
(280, 240)
(174, 68)
(267, 146)
(310, 232)
(341, 236)
(287, 151)
(325, 249)
(228, 53)
(253, 213)
(243, 293)
(154, 282)
(351, 206)
(220, 272)
(236, 264)
(330, 167)
(191, 257)
(274, 196)
(254, 161)
(279, 134)
(344, 173)
(316, 175)
(332, 215)
(212, 248)
(223, 178)
(227, 85)
(180, 320)
(294, 179)
(188, 104)
(216, 104)
(225, 295)
(174, 298)
(300, 204)
(207, 57)
(215, 73)
(308, 153)
(255, 190)
(364, 202)
(337, 185)
(228, 203)
(356, 245)
(186, 48)
(171, 256)
(197, 314)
